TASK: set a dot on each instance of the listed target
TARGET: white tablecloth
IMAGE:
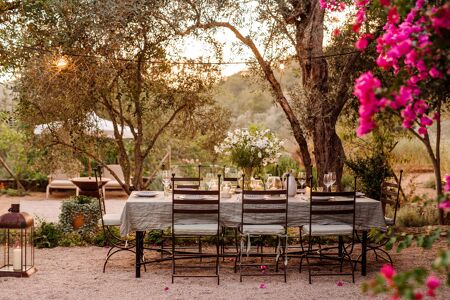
(148, 213)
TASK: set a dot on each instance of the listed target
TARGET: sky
(193, 48)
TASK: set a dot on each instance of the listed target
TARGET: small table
(89, 186)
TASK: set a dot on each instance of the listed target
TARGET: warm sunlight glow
(61, 63)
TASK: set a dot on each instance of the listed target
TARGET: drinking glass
(332, 179)
(166, 179)
(327, 180)
(257, 185)
(302, 179)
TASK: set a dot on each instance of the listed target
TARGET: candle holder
(16, 243)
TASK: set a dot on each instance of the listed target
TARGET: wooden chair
(264, 213)
(204, 208)
(341, 215)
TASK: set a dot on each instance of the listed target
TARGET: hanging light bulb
(282, 66)
(61, 63)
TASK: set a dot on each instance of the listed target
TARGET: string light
(61, 63)
(282, 66)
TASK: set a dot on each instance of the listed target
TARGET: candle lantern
(16, 242)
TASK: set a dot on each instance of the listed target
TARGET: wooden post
(5, 165)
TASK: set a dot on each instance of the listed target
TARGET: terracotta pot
(78, 221)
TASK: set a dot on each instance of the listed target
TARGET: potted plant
(80, 213)
(250, 148)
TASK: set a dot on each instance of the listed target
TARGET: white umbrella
(102, 125)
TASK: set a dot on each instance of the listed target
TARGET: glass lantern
(16, 243)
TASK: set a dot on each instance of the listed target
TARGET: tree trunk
(323, 115)
(328, 150)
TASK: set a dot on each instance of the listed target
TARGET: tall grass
(411, 155)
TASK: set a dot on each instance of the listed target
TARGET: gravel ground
(75, 273)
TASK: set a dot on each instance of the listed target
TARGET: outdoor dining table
(143, 213)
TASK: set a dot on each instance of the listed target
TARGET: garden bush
(86, 208)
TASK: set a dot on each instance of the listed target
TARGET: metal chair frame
(194, 208)
(258, 204)
(386, 193)
(117, 244)
(330, 208)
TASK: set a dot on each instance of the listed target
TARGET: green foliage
(155, 237)
(405, 284)
(370, 172)
(13, 192)
(72, 239)
(47, 235)
(88, 207)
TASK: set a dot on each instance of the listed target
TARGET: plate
(146, 194)
(193, 197)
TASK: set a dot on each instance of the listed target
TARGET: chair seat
(196, 229)
(263, 229)
(111, 219)
(324, 230)
(113, 185)
(62, 183)
(389, 221)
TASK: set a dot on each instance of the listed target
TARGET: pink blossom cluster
(445, 205)
(432, 283)
(405, 46)
(332, 5)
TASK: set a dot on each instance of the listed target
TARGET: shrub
(417, 215)
(370, 172)
(84, 206)
(47, 235)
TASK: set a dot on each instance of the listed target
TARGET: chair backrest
(117, 169)
(340, 209)
(186, 182)
(233, 180)
(195, 205)
(390, 194)
(61, 174)
(268, 207)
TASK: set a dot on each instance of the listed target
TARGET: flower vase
(248, 175)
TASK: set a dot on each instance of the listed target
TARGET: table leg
(364, 253)
(139, 246)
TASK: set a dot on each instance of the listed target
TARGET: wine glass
(166, 179)
(332, 179)
(327, 180)
(257, 185)
(302, 179)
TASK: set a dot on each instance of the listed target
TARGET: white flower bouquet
(250, 148)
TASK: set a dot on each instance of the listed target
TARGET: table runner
(149, 213)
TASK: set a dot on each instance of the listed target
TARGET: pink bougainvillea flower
(418, 296)
(387, 271)
(425, 121)
(422, 130)
(339, 283)
(336, 32)
(393, 16)
(434, 72)
(447, 183)
(341, 6)
(166, 289)
(363, 41)
(433, 282)
(262, 286)
(385, 2)
(444, 205)
(431, 293)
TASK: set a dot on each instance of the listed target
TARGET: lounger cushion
(196, 229)
(62, 183)
(111, 219)
(113, 185)
(263, 229)
(323, 230)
